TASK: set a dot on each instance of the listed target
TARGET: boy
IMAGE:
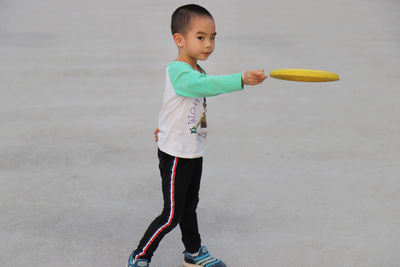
(182, 133)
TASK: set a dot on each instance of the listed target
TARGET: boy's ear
(179, 40)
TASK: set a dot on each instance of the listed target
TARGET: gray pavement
(296, 174)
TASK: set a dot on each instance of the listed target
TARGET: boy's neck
(192, 62)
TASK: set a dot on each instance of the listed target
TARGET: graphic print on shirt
(198, 127)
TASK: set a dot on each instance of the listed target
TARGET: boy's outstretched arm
(253, 77)
(250, 77)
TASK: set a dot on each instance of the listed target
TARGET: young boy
(182, 133)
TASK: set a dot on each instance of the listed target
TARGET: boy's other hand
(253, 77)
(156, 134)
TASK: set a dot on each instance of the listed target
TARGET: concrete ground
(296, 174)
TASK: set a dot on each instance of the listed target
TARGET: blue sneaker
(137, 263)
(203, 259)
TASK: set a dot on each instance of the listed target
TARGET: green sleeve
(190, 83)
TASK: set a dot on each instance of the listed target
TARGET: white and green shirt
(182, 120)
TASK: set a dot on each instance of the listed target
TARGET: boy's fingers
(261, 75)
(156, 131)
(254, 77)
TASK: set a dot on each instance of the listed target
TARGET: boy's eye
(213, 38)
(200, 38)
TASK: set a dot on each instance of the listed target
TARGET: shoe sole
(185, 264)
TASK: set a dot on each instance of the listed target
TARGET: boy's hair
(182, 15)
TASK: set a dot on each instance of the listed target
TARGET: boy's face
(198, 42)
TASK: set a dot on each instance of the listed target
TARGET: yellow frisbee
(303, 75)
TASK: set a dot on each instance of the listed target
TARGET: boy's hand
(156, 134)
(253, 77)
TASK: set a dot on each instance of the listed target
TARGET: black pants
(180, 186)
